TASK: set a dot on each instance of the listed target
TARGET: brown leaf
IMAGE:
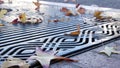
(37, 4)
(15, 21)
(1, 24)
(65, 59)
(81, 10)
(64, 9)
(97, 14)
(75, 33)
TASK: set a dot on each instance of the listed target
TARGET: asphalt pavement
(101, 3)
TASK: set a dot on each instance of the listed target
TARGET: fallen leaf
(2, 13)
(97, 14)
(75, 33)
(56, 20)
(22, 17)
(15, 21)
(77, 6)
(34, 20)
(14, 62)
(64, 9)
(37, 4)
(67, 11)
(45, 57)
(81, 10)
(1, 24)
(109, 50)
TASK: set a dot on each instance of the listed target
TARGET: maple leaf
(22, 17)
(109, 50)
(45, 57)
(2, 13)
(14, 63)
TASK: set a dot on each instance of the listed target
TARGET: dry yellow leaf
(2, 12)
(22, 17)
(97, 14)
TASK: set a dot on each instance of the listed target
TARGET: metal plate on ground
(21, 40)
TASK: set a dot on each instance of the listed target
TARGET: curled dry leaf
(75, 33)
(1, 24)
(15, 21)
(22, 17)
(67, 11)
(45, 57)
(81, 10)
(37, 4)
(2, 13)
(99, 17)
(59, 20)
(109, 50)
(64, 9)
(56, 20)
(34, 20)
(97, 14)
(28, 20)
(14, 62)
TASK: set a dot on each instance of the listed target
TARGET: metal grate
(20, 40)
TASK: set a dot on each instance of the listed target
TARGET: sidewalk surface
(101, 3)
(92, 59)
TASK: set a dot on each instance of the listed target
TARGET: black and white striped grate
(21, 40)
